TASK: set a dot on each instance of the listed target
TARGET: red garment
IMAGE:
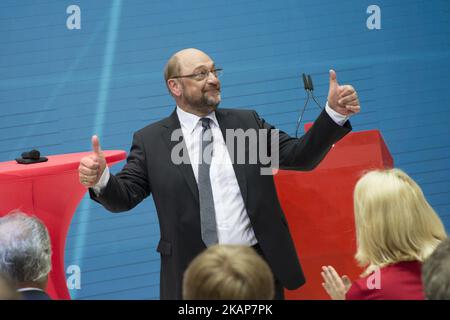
(400, 281)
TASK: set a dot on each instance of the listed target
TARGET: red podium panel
(51, 191)
(319, 208)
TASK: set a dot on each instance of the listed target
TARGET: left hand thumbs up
(342, 99)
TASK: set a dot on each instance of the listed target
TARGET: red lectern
(319, 208)
(51, 191)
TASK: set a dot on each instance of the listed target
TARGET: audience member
(232, 272)
(436, 273)
(396, 230)
(25, 254)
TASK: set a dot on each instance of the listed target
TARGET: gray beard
(203, 103)
(210, 102)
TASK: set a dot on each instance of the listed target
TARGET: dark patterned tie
(207, 212)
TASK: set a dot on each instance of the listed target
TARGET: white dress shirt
(233, 223)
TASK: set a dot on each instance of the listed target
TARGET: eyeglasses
(202, 75)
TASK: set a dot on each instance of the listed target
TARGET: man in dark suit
(204, 193)
(34, 294)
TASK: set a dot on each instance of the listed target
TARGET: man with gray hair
(25, 254)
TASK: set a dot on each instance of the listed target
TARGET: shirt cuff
(340, 119)
(101, 184)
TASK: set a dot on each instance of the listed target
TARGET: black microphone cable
(301, 116)
(309, 87)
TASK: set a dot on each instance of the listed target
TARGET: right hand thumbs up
(91, 167)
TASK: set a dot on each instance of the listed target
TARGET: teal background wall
(60, 86)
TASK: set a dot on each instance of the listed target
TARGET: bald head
(184, 61)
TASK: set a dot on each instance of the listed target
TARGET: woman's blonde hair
(394, 222)
(228, 272)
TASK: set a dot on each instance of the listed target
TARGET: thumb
(333, 78)
(96, 145)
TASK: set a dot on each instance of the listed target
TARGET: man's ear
(174, 86)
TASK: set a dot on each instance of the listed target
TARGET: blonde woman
(228, 272)
(396, 230)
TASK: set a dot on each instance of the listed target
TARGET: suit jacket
(149, 169)
(34, 295)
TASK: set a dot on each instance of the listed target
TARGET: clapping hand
(335, 286)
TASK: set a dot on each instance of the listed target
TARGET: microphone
(305, 82)
(309, 87)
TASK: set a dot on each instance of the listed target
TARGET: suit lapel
(227, 120)
(170, 125)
